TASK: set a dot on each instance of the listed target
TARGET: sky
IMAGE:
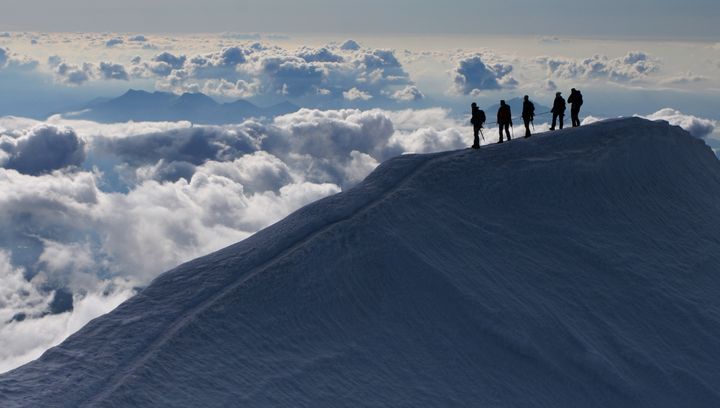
(93, 211)
(641, 18)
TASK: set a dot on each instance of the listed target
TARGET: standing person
(504, 120)
(477, 120)
(575, 100)
(528, 114)
(558, 110)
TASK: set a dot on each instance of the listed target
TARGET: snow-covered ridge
(577, 268)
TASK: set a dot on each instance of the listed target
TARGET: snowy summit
(571, 269)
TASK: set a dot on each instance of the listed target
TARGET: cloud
(313, 74)
(164, 63)
(26, 330)
(41, 149)
(9, 59)
(109, 70)
(356, 94)
(634, 66)
(407, 94)
(684, 79)
(472, 76)
(242, 36)
(71, 74)
(549, 39)
(104, 208)
(319, 55)
(113, 42)
(137, 38)
(550, 85)
(698, 127)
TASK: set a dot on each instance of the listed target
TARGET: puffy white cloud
(164, 63)
(354, 94)
(9, 59)
(109, 70)
(633, 66)
(41, 149)
(409, 93)
(319, 55)
(71, 74)
(324, 73)
(137, 38)
(26, 332)
(472, 75)
(19, 297)
(163, 193)
(698, 127)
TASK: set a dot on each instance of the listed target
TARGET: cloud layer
(634, 66)
(91, 211)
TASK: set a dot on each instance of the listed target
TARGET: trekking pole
(512, 130)
(482, 135)
(532, 123)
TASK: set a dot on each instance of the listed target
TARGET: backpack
(478, 118)
(531, 110)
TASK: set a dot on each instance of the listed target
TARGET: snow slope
(573, 269)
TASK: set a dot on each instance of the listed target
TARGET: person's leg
(573, 114)
(500, 126)
(562, 117)
(476, 137)
(527, 127)
(507, 131)
(552, 127)
(577, 116)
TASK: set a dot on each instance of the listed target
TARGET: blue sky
(640, 18)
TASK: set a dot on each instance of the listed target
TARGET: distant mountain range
(139, 105)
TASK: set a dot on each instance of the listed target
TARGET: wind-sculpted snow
(571, 269)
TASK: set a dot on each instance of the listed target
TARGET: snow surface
(572, 269)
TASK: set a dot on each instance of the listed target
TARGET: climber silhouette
(477, 120)
(575, 100)
(558, 110)
(528, 114)
(504, 120)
